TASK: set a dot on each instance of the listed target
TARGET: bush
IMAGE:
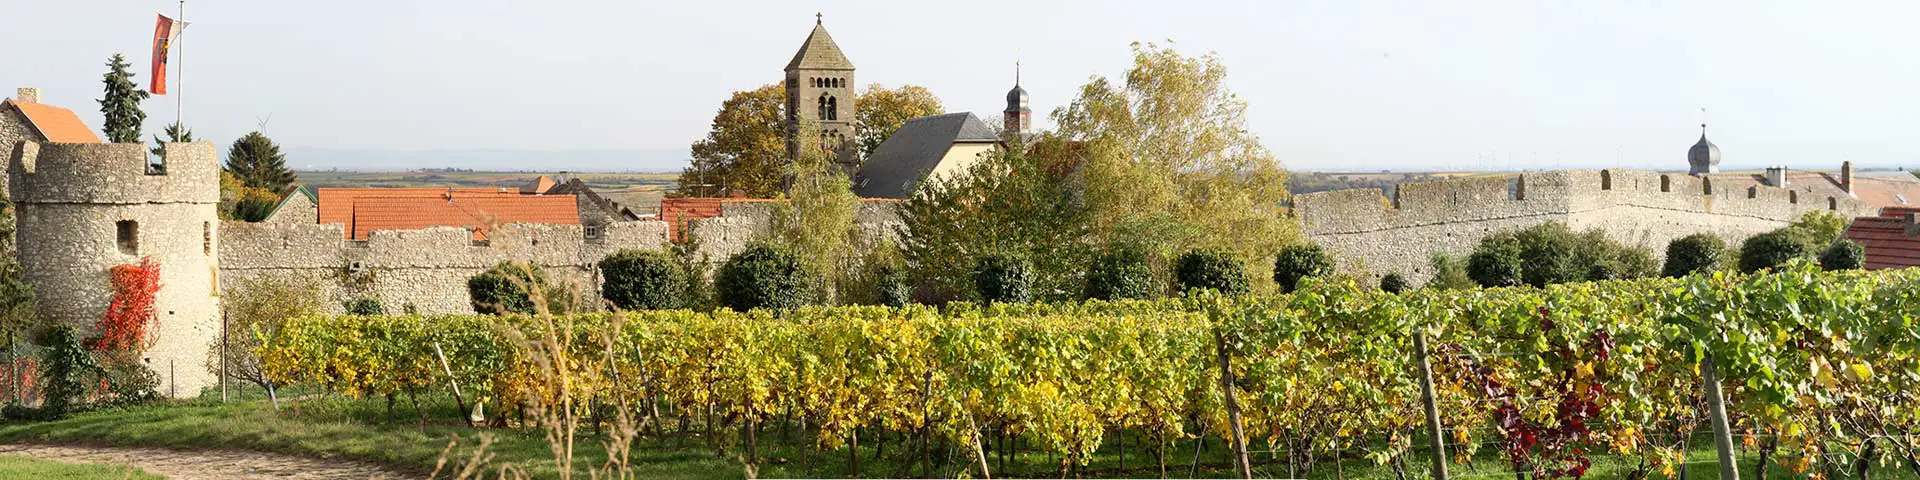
(891, 286)
(509, 287)
(1609, 260)
(1817, 229)
(1771, 249)
(67, 370)
(1550, 254)
(1700, 252)
(1449, 273)
(257, 307)
(1844, 255)
(1121, 273)
(1001, 278)
(1496, 263)
(765, 276)
(1394, 283)
(1218, 270)
(643, 280)
(364, 306)
(1297, 262)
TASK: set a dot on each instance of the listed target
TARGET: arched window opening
(833, 108)
(1606, 180)
(127, 235)
(1753, 192)
(822, 108)
(1833, 203)
(1517, 187)
(1793, 197)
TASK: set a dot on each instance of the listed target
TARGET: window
(593, 231)
(1706, 186)
(127, 233)
(822, 107)
(1666, 184)
(1833, 203)
(833, 108)
(1517, 187)
(1606, 180)
(206, 238)
(1753, 192)
(1793, 197)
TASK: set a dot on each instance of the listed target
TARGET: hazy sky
(1341, 85)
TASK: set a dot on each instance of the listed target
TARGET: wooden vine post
(1233, 408)
(1436, 440)
(455, 383)
(1717, 408)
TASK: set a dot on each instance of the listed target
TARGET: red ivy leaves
(127, 327)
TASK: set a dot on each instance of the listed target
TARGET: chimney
(1846, 177)
(1777, 176)
(27, 95)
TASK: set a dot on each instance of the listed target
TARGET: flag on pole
(165, 32)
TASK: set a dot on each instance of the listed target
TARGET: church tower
(1017, 116)
(820, 92)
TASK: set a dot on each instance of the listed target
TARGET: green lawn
(25, 467)
(336, 427)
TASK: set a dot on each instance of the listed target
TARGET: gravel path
(206, 464)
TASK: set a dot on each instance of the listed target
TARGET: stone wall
(71, 201)
(13, 130)
(1372, 235)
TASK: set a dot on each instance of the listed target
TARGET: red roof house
(1892, 240)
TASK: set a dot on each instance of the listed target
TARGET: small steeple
(819, 51)
(1704, 157)
(1017, 117)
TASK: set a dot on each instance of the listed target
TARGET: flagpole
(180, 79)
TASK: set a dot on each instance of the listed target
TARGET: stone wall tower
(820, 94)
(84, 208)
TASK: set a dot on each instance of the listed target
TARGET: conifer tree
(176, 133)
(121, 103)
(257, 162)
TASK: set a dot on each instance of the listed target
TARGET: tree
(176, 133)
(643, 280)
(1696, 253)
(1816, 229)
(1213, 269)
(1165, 159)
(1844, 255)
(1008, 202)
(818, 221)
(121, 103)
(254, 309)
(765, 276)
(257, 162)
(1771, 249)
(1120, 273)
(745, 151)
(1497, 262)
(883, 111)
(1449, 273)
(1298, 262)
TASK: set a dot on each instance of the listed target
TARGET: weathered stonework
(1372, 235)
(71, 200)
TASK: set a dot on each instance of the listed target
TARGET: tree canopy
(120, 104)
(257, 162)
(882, 111)
(745, 152)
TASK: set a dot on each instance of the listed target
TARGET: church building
(820, 94)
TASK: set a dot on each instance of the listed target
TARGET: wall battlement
(1371, 234)
(113, 173)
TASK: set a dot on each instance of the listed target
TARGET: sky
(1352, 85)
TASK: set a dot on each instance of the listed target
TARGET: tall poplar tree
(257, 162)
(121, 103)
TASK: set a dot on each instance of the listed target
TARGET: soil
(206, 464)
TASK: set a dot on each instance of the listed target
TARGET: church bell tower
(820, 95)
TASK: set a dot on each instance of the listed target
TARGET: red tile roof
(476, 213)
(57, 124)
(1886, 239)
(336, 204)
(678, 211)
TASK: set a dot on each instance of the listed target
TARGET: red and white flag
(165, 32)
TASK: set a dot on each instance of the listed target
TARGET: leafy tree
(120, 105)
(765, 276)
(1548, 255)
(1120, 273)
(1164, 158)
(176, 133)
(891, 286)
(1394, 283)
(1816, 229)
(66, 370)
(1218, 270)
(1008, 202)
(511, 287)
(1003, 278)
(643, 280)
(1844, 255)
(1449, 273)
(254, 309)
(1606, 259)
(745, 152)
(818, 221)
(1696, 253)
(1300, 261)
(883, 111)
(1771, 249)
(256, 162)
(1497, 262)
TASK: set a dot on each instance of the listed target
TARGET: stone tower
(1017, 116)
(820, 94)
(1704, 157)
(83, 208)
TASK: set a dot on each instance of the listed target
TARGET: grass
(329, 426)
(25, 467)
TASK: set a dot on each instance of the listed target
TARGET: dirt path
(206, 464)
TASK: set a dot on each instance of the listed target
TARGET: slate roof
(904, 159)
(819, 52)
(55, 124)
(474, 213)
(1890, 239)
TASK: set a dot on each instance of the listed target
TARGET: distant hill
(315, 159)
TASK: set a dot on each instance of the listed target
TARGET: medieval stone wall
(73, 201)
(1371, 235)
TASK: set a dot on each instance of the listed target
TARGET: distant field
(638, 190)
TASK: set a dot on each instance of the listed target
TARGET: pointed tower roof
(819, 51)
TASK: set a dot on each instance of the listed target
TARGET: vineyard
(1820, 372)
